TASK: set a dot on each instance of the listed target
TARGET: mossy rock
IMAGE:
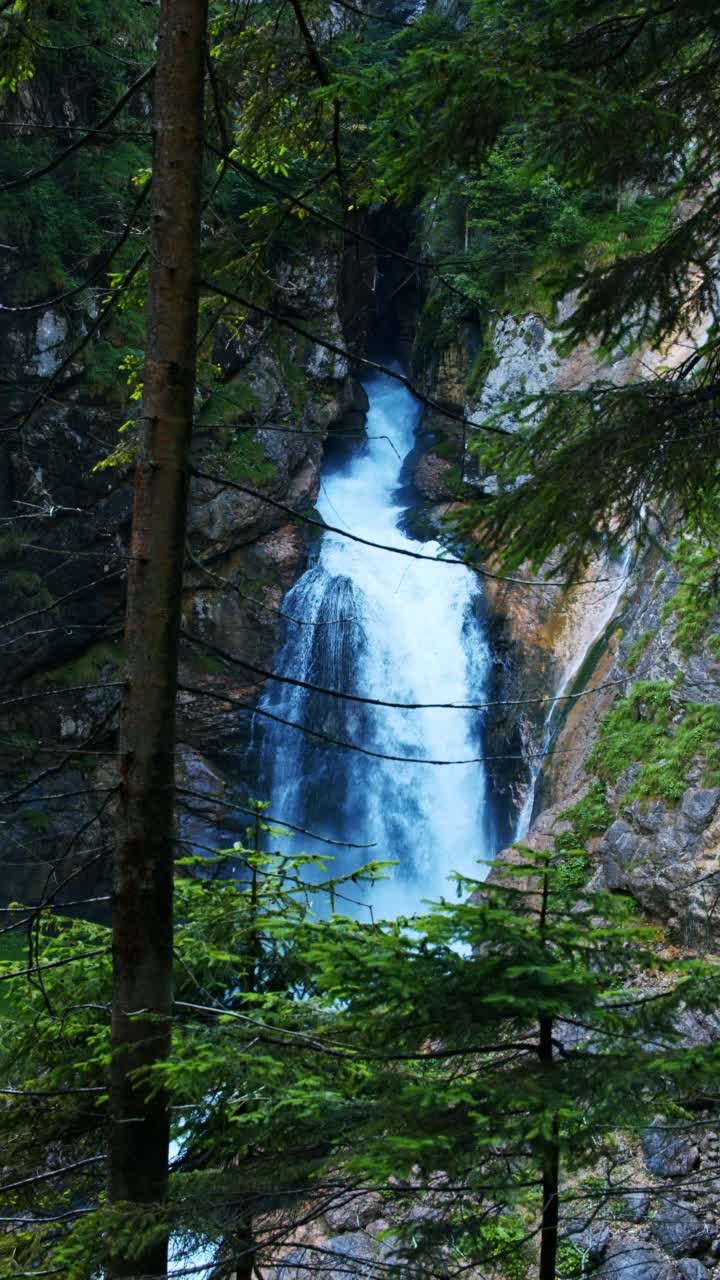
(89, 667)
(651, 729)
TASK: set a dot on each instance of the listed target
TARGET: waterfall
(382, 626)
(599, 609)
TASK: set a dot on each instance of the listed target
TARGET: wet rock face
(450, 365)
(355, 1211)
(524, 361)
(539, 634)
(435, 477)
(665, 853)
(670, 867)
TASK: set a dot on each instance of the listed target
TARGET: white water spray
(395, 629)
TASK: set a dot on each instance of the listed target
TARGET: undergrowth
(246, 461)
(651, 729)
(698, 595)
(591, 816)
(89, 666)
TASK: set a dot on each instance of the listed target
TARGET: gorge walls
(628, 761)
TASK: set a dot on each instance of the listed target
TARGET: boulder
(436, 477)
(354, 1210)
(699, 805)
(679, 1231)
(629, 1260)
(691, 1269)
(667, 1153)
(592, 1241)
(636, 1205)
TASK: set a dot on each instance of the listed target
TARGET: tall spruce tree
(501, 1043)
(143, 868)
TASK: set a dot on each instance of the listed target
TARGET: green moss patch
(246, 461)
(90, 667)
(637, 649)
(232, 402)
(483, 364)
(35, 820)
(649, 729)
(698, 595)
(591, 816)
(23, 590)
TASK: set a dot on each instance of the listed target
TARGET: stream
(382, 626)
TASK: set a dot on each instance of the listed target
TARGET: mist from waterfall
(382, 626)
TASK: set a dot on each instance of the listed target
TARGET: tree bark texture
(550, 1172)
(550, 1152)
(143, 872)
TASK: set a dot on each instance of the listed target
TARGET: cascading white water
(383, 626)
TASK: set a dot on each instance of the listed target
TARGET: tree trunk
(550, 1153)
(143, 875)
(550, 1172)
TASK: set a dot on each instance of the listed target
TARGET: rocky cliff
(625, 764)
(69, 385)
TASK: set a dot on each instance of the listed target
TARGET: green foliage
(23, 590)
(572, 866)
(35, 820)
(13, 950)
(637, 649)
(239, 965)
(504, 1247)
(570, 1261)
(246, 462)
(574, 448)
(101, 661)
(17, 63)
(453, 987)
(526, 231)
(59, 232)
(315, 1047)
(56, 226)
(649, 728)
(568, 147)
(591, 816)
(698, 595)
